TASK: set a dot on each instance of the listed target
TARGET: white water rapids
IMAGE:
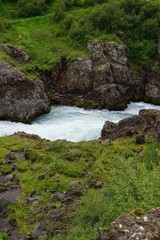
(72, 123)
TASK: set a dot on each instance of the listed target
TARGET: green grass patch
(129, 175)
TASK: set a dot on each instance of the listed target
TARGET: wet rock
(16, 52)
(146, 123)
(20, 99)
(134, 228)
(8, 197)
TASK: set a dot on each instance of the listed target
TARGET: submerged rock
(146, 123)
(20, 99)
(130, 227)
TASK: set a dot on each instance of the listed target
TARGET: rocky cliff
(20, 99)
(104, 79)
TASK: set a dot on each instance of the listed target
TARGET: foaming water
(72, 123)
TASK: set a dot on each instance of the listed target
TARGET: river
(72, 123)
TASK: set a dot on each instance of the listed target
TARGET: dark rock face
(79, 76)
(152, 89)
(130, 227)
(148, 123)
(147, 84)
(104, 79)
(20, 99)
(16, 52)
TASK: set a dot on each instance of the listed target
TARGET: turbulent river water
(72, 123)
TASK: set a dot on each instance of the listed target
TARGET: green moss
(137, 212)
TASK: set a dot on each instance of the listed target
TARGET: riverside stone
(146, 123)
(20, 99)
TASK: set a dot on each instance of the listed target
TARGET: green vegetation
(64, 27)
(129, 175)
(3, 236)
(48, 30)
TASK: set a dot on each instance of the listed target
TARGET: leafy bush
(79, 30)
(29, 8)
(138, 19)
(3, 236)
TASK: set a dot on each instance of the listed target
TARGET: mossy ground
(38, 36)
(129, 174)
(43, 39)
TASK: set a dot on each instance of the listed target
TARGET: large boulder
(132, 227)
(20, 99)
(104, 78)
(147, 123)
(112, 83)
